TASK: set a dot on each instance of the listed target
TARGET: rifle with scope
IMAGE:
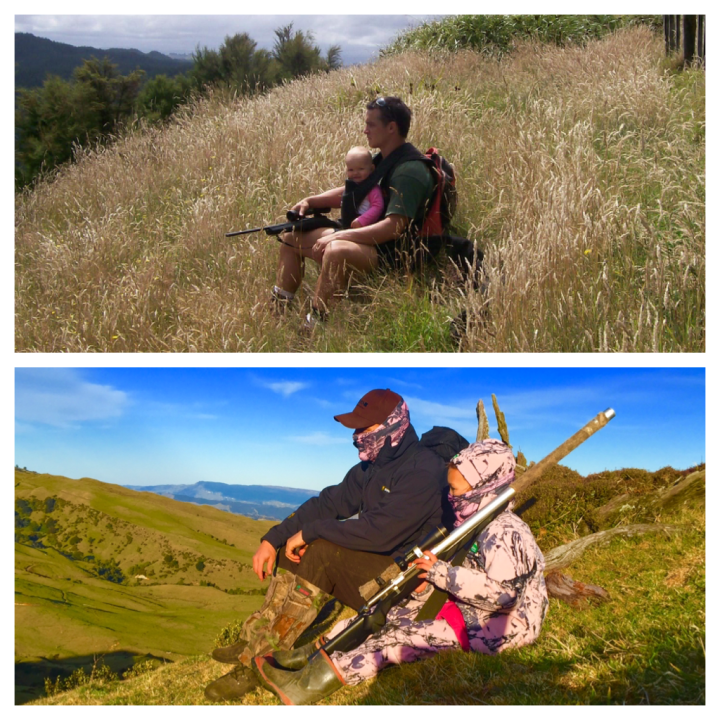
(317, 219)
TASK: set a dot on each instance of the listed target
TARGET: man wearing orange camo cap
(349, 534)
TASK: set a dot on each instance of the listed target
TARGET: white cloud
(23, 428)
(438, 412)
(286, 387)
(60, 397)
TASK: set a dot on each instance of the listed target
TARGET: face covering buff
(369, 444)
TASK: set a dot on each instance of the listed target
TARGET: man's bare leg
(339, 259)
(293, 251)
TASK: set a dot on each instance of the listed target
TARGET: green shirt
(411, 188)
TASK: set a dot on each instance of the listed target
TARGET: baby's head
(358, 163)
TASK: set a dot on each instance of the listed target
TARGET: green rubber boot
(318, 679)
(294, 659)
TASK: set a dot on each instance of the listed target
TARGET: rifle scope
(402, 561)
(293, 216)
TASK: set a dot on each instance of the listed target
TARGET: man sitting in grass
(334, 543)
(408, 190)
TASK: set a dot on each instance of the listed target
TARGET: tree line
(98, 101)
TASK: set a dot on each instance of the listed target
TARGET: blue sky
(275, 426)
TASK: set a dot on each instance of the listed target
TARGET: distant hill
(256, 501)
(35, 57)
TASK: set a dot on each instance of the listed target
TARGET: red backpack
(444, 200)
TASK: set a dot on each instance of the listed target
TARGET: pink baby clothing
(371, 208)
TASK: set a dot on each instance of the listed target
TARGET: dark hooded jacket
(398, 498)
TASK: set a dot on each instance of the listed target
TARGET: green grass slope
(140, 530)
(102, 570)
(645, 645)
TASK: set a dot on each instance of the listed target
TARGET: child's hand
(355, 224)
(425, 563)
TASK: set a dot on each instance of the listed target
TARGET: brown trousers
(336, 570)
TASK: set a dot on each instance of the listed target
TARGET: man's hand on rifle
(266, 553)
(295, 547)
(302, 208)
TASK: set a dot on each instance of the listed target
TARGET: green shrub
(230, 634)
(109, 570)
(497, 34)
(100, 673)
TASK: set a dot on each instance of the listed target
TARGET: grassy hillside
(581, 175)
(105, 571)
(645, 645)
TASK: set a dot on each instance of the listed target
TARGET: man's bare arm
(330, 198)
(389, 228)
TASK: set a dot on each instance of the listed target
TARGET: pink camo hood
(488, 466)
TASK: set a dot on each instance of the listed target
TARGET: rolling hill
(104, 570)
(581, 175)
(262, 502)
(81, 610)
(36, 57)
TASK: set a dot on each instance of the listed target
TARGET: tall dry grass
(581, 174)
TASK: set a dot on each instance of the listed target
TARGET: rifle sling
(439, 597)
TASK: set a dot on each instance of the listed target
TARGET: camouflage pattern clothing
(291, 604)
(499, 587)
(369, 444)
(401, 640)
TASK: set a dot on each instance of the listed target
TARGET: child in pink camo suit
(497, 597)
(359, 166)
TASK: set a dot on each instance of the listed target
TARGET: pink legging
(401, 640)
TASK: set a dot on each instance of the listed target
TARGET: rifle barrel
(464, 531)
(243, 232)
(534, 472)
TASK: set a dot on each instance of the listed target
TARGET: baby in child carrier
(359, 166)
(496, 596)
